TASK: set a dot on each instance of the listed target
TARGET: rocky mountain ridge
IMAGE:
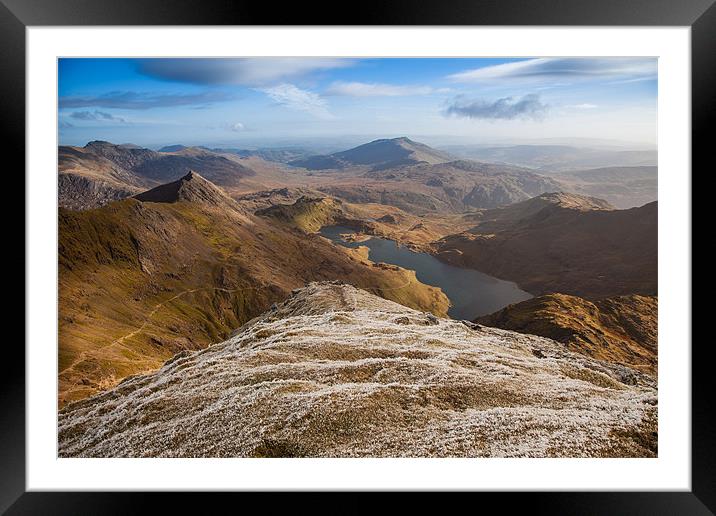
(619, 329)
(101, 172)
(334, 371)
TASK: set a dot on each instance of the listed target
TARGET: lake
(471, 293)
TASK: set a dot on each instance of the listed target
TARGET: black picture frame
(700, 15)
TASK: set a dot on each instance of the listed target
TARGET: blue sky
(260, 101)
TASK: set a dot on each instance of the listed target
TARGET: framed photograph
(444, 249)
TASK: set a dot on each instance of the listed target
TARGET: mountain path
(120, 341)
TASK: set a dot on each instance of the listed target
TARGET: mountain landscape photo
(289, 257)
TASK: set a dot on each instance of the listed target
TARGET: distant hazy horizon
(329, 143)
(329, 102)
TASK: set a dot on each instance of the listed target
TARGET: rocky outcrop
(100, 172)
(336, 372)
(620, 329)
(78, 192)
(190, 188)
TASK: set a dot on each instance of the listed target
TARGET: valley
(356, 257)
(164, 253)
(186, 237)
(471, 293)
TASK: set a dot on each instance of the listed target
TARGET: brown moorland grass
(141, 281)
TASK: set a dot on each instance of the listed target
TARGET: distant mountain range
(450, 187)
(376, 155)
(100, 172)
(276, 154)
(624, 187)
(398, 172)
(555, 158)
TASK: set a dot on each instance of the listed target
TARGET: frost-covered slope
(335, 371)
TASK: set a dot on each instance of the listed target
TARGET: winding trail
(120, 341)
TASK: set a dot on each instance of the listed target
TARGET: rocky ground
(337, 372)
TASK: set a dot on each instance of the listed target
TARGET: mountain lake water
(471, 293)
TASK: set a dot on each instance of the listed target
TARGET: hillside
(307, 213)
(452, 187)
(562, 243)
(336, 372)
(377, 155)
(140, 280)
(618, 329)
(101, 172)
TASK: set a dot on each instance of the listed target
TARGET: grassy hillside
(620, 329)
(140, 281)
(564, 243)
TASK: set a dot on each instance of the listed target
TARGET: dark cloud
(251, 71)
(96, 116)
(507, 108)
(135, 100)
(64, 124)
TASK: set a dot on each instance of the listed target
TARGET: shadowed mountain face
(181, 266)
(191, 188)
(378, 155)
(563, 243)
(618, 329)
(100, 172)
(168, 166)
(334, 371)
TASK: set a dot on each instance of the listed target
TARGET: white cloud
(583, 106)
(364, 89)
(237, 127)
(253, 71)
(562, 68)
(300, 100)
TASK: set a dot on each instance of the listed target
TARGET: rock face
(77, 192)
(336, 372)
(620, 329)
